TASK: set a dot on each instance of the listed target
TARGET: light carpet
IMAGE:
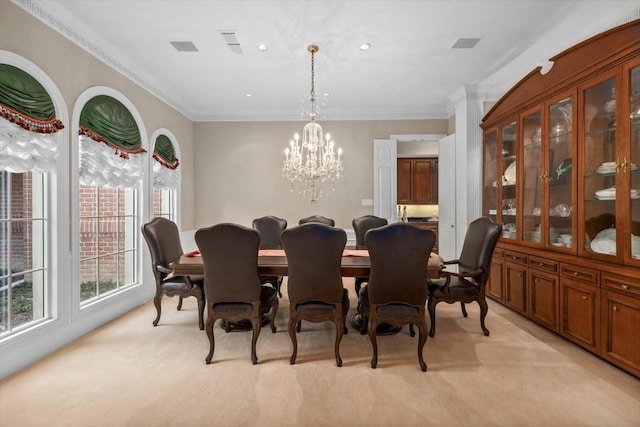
(128, 373)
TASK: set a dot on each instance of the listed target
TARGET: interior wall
(74, 70)
(239, 169)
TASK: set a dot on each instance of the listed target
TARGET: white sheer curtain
(23, 151)
(164, 177)
(102, 167)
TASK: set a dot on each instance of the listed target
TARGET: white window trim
(176, 148)
(30, 344)
(141, 291)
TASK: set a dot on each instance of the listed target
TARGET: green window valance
(105, 119)
(25, 102)
(165, 153)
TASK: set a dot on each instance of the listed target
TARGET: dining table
(273, 262)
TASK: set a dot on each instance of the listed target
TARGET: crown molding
(51, 14)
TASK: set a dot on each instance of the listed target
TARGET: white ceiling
(409, 72)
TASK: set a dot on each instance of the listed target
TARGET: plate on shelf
(510, 173)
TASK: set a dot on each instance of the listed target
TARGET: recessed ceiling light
(262, 47)
(248, 95)
(365, 46)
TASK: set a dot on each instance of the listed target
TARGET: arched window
(111, 169)
(166, 176)
(30, 144)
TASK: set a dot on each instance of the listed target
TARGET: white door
(384, 179)
(446, 198)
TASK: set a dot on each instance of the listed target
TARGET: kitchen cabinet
(417, 181)
(561, 157)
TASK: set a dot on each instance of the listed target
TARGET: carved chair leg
(483, 313)
(209, 327)
(299, 326)
(431, 305)
(274, 310)
(278, 285)
(179, 303)
(294, 340)
(339, 332)
(201, 304)
(422, 339)
(157, 301)
(372, 326)
(363, 323)
(256, 322)
(464, 309)
(412, 333)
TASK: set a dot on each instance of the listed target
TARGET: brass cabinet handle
(575, 273)
(615, 308)
(624, 165)
(584, 297)
(625, 287)
(618, 165)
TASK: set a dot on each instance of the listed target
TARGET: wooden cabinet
(543, 291)
(515, 278)
(561, 173)
(495, 284)
(417, 181)
(620, 318)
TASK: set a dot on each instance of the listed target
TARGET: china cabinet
(561, 157)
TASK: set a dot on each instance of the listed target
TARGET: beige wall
(74, 70)
(239, 169)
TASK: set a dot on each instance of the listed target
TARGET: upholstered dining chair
(318, 219)
(397, 289)
(469, 282)
(270, 228)
(316, 293)
(360, 227)
(163, 239)
(231, 282)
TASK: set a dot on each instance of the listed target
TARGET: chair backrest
(317, 219)
(399, 254)
(479, 243)
(163, 239)
(270, 228)
(314, 255)
(230, 257)
(363, 224)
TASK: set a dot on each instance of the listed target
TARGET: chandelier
(312, 164)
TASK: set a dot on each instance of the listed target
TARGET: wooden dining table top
(273, 262)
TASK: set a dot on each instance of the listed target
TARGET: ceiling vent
(230, 39)
(184, 46)
(465, 43)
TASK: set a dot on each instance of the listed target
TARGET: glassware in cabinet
(491, 181)
(533, 177)
(560, 172)
(509, 176)
(631, 163)
(599, 166)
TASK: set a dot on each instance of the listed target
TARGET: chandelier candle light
(312, 163)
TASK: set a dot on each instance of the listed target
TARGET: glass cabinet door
(599, 168)
(491, 182)
(508, 178)
(532, 177)
(560, 206)
(630, 164)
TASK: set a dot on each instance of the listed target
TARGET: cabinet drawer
(622, 284)
(580, 273)
(516, 257)
(543, 264)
